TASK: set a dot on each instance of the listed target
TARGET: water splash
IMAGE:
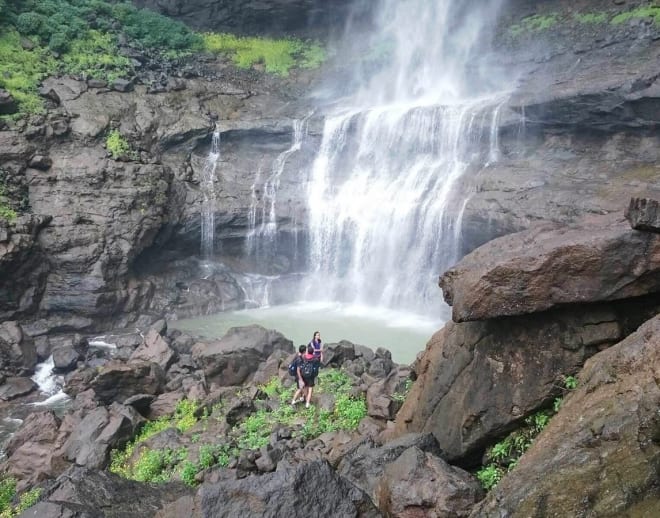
(49, 383)
(207, 185)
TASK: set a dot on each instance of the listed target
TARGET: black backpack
(293, 367)
(308, 369)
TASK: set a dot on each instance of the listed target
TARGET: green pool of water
(405, 335)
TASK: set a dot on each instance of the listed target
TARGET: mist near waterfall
(418, 112)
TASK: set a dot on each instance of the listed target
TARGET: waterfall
(262, 235)
(384, 192)
(207, 185)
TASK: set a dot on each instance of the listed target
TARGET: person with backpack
(294, 370)
(317, 344)
(308, 369)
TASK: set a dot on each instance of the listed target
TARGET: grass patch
(252, 433)
(154, 465)
(535, 23)
(651, 11)
(84, 35)
(277, 56)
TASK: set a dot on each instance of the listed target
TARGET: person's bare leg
(298, 393)
(309, 395)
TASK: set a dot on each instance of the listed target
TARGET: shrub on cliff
(277, 56)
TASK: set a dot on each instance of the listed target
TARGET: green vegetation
(651, 11)
(535, 23)
(138, 462)
(6, 212)
(79, 37)
(401, 395)
(118, 146)
(503, 456)
(96, 55)
(21, 71)
(154, 465)
(587, 18)
(8, 494)
(277, 56)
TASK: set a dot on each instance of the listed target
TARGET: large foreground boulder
(600, 456)
(477, 380)
(238, 354)
(117, 381)
(302, 491)
(421, 485)
(539, 269)
(83, 493)
(365, 463)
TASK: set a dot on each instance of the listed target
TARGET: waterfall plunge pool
(404, 334)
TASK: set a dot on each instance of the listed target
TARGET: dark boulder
(599, 455)
(101, 430)
(85, 493)
(238, 354)
(365, 463)
(422, 485)
(477, 380)
(540, 269)
(18, 354)
(644, 214)
(303, 490)
(117, 381)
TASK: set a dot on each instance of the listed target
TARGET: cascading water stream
(261, 238)
(384, 193)
(261, 243)
(207, 185)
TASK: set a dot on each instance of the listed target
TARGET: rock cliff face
(577, 134)
(273, 17)
(112, 240)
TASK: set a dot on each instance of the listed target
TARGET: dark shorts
(309, 382)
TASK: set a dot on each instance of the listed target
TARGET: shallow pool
(403, 334)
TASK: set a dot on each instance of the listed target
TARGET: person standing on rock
(308, 370)
(299, 395)
(317, 344)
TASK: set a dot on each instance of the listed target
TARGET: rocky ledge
(533, 310)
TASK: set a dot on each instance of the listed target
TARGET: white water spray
(208, 192)
(384, 193)
(49, 383)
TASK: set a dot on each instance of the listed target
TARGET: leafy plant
(6, 212)
(650, 11)
(570, 382)
(401, 395)
(490, 476)
(118, 146)
(21, 71)
(96, 55)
